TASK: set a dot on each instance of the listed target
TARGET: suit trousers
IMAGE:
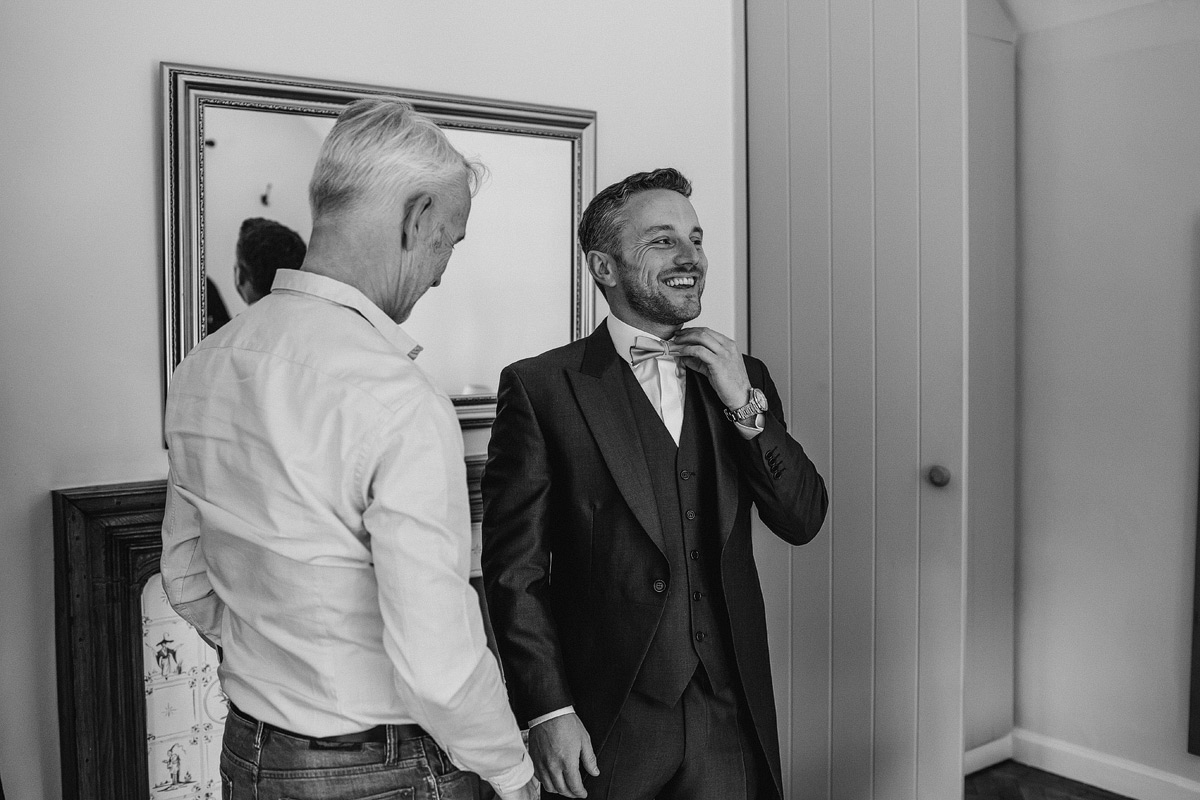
(702, 748)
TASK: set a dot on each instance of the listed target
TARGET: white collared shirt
(664, 380)
(318, 528)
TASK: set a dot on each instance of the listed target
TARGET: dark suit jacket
(572, 544)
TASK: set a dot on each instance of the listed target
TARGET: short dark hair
(600, 225)
(265, 246)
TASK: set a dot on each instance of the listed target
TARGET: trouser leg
(721, 759)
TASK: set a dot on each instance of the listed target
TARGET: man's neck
(664, 332)
(353, 257)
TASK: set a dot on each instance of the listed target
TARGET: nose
(688, 253)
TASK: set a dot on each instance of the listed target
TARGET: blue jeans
(262, 763)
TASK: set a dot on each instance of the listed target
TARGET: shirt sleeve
(561, 712)
(418, 519)
(750, 428)
(184, 570)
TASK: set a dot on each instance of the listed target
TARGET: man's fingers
(698, 352)
(554, 783)
(589, 759)
(573, 781)
(707, 337)
(545, 778)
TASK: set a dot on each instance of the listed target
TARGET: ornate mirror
(239, 145)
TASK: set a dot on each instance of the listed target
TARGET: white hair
(380, 150)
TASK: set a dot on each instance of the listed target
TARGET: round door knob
(938, 475)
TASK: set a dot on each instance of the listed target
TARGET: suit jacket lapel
(600, 391)
(723, 455)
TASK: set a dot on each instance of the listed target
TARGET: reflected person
(317, 525)
(215, 312)
(264, 247)
(616, 528)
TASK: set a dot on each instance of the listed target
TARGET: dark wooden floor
(1009, 780)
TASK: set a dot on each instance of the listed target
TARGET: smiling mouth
(681, 282)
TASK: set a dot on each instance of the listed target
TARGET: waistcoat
(694, 627)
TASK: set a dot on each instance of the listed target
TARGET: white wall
(1109, 187)
(80, 305)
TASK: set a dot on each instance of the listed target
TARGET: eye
(698, 242)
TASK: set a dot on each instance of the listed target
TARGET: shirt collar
(623, 335)
(343, 294)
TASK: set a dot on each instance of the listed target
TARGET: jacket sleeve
(788, 491)
(517, 525)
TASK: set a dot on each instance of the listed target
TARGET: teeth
(676, 282)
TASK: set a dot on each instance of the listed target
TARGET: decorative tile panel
(185, 707)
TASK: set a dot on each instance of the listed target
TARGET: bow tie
(645, 348)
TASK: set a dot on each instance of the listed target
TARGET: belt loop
(260, 737)
(393, 744)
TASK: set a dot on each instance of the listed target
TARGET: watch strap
(756, 405)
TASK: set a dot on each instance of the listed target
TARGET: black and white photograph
(624, 400)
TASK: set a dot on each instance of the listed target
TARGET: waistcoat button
(660, 586)
(695, 555)
(690, 514)
(684, 474)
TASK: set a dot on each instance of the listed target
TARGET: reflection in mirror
(242, 145)
(256, 164)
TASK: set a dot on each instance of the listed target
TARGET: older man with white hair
(317, 526)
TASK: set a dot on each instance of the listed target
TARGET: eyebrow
(670, 228)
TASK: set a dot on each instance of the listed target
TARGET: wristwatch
(757, 405)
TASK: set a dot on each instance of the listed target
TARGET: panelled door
(857, 267)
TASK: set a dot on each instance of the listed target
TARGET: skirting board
(1098, 769)
(988, 755)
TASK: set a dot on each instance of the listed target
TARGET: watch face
(759, 399)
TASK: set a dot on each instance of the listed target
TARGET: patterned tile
(185, 708)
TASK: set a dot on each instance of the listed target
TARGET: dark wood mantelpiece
(107, 544)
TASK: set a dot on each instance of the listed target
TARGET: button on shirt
(318, 528)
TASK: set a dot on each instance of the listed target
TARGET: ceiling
(1034, 15)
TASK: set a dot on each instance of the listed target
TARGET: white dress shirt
(664, 380)
(318, 528)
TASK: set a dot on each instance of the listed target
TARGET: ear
(602, 267)
(241, 281)
(417, 219)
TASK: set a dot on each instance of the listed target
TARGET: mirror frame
(188, 90)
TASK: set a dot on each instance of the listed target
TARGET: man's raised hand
(715, 356)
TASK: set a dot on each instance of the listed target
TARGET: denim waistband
(377, 734)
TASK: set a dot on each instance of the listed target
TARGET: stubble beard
(656, 307)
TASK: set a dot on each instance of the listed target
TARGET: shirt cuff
(205, 616)
(562, 712)
(509, 782)
(749, 431)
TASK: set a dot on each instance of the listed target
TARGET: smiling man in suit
(616, 530)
